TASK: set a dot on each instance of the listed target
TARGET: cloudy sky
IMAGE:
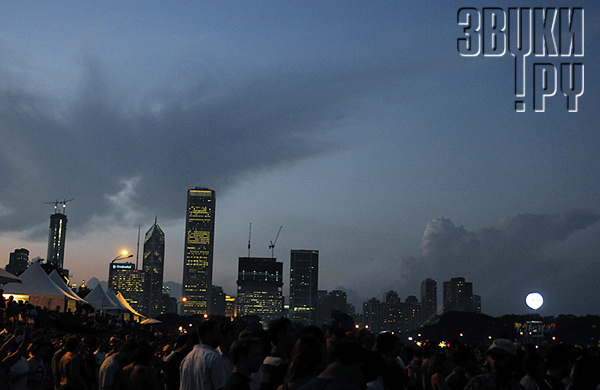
(357, 126)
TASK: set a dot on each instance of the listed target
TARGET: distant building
(198, 256)
(322, 308)
(337, 300)
(56, 239)
(304, 282)
(458, 296)
(230, 306)
(392, 314)
(476, 303)
(153, 268)
(217, 304)
(169, 303)
(260, 282)
(412, 313)
(374, 315)
(18, 261)
(428, 300)
(124, 278)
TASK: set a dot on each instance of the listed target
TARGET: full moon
(534, 300)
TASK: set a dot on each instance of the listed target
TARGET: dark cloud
(121, 160)
(524, 252)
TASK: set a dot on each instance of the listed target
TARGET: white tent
(60, 282)
(126, 304)
(100, 300)
(37, 288)
(109, 302)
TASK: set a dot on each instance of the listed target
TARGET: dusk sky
(357, 126)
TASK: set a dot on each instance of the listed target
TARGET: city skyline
(359, 127)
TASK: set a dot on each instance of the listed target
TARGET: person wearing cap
(500, 360)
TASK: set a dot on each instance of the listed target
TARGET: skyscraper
(56, 239)
(260, 282)
(17, 261)
(304, 282)
(458, 296)
(428, 300)
(125, 279)
(153, 267)
(198, 254)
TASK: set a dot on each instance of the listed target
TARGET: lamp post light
(122, 256)
(112, 276)
(178, 309)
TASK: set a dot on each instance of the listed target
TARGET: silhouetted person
(110, 373)
(533, 364)
(345, 372)
(308, 360)
(557, 367)
(500, 361)
(275, 365)
(204, 367)
(247, 356)
(139, 375)
(394, 375)
(70, 367)
(183, 346)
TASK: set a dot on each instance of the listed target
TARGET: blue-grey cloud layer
(96, 147)
(524, 253)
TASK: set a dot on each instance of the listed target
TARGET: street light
(178, 308)
(122, 256)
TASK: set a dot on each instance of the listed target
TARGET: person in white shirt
(204, 367)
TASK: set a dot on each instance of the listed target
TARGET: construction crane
(57, 202)
(272, 243)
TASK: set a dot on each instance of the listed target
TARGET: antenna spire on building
(57, 202)
(249, 237)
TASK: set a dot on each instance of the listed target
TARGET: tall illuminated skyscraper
(56, 239)
(153, 267)
(198, 254)
(304, 283)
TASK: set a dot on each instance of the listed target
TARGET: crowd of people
(95, 352)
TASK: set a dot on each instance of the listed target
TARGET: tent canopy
(100, 300)
(40, 288)
(60, 282)
(34, 281)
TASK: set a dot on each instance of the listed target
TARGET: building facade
(392, 315)
(217, 304)
(260, 283)
(304, 282)
(18, 261)
(428, 300)
(198, 253)
(458, 296)
(124, 278)
(56, 239)
(153, 268)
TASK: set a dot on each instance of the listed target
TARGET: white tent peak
(60, 282)
(34, 281)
